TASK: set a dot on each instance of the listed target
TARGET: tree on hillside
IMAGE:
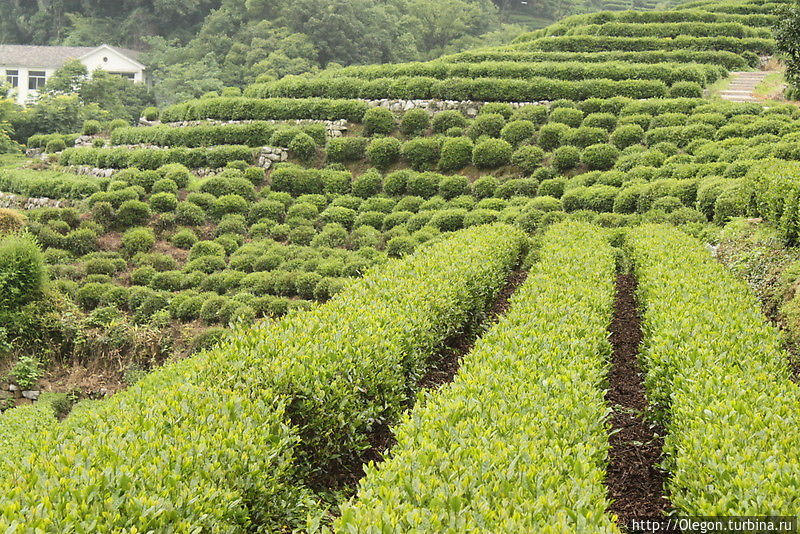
(787, 35)
(118, 96)
(451, 20)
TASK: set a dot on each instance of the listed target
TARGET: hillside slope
(347, 232)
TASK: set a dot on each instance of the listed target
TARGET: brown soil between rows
(634, 481)
(445, 366)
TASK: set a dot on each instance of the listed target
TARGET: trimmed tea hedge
(674, 29)
(49, 184)
(19, 427)
(265, 109)
(518, 442)
(150, 159)
(592, 43)
(717, 374)
(650, 17)
(726, 59)
(481, 89)
(566, 70)
(42, 140)
(253, 134)
(204, 443)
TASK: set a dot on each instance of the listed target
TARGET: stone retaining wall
(469, 108)
(333, 128)
(8, 200)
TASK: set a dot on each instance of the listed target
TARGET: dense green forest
(197, 46)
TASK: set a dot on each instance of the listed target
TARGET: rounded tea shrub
(448, 220)
(456, 153)
(453, 186)
(627, 135)
(490, 124)
(151, 114)
(485, 187)
(445, 120)
(164, 202)
(528, 158)
(132, 213)
(189, 214)
(600, 157)
(55, 145)
(606, 121)
(164, 185)
(491, 153)
(303, 147)
(91, 127)
(535, 113)
(569, 116)
(499, 108)
(686, 90)
(22, 270)
(552, 136)
(383, 152)
(566, 158)
(11, 221)
(378, 121)
(138, 240)
(339, 214)
(395, 183)
(414, 122)
(184, 238)
(517, 132)
(400, 246)
(368, 184)
(421, 153)
(423, 185)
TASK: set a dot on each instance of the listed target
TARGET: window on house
(129, 75)
(36, 79)
(12, 78)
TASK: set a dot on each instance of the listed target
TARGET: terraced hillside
(410, 297)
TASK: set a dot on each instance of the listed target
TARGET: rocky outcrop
(270, 155)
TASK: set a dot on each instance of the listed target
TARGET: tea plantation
(388, 298)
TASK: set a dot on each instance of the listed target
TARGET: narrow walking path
(635, 483)
(742, 86)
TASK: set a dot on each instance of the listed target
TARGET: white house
(27, 68)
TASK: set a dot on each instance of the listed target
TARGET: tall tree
(787, 35)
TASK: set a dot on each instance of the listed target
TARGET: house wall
(102, 58)
(21, 91)
(111, 61)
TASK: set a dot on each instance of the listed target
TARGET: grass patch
(714, 90)
(11, 160)
(771, 87)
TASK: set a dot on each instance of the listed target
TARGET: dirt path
(635, 484)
